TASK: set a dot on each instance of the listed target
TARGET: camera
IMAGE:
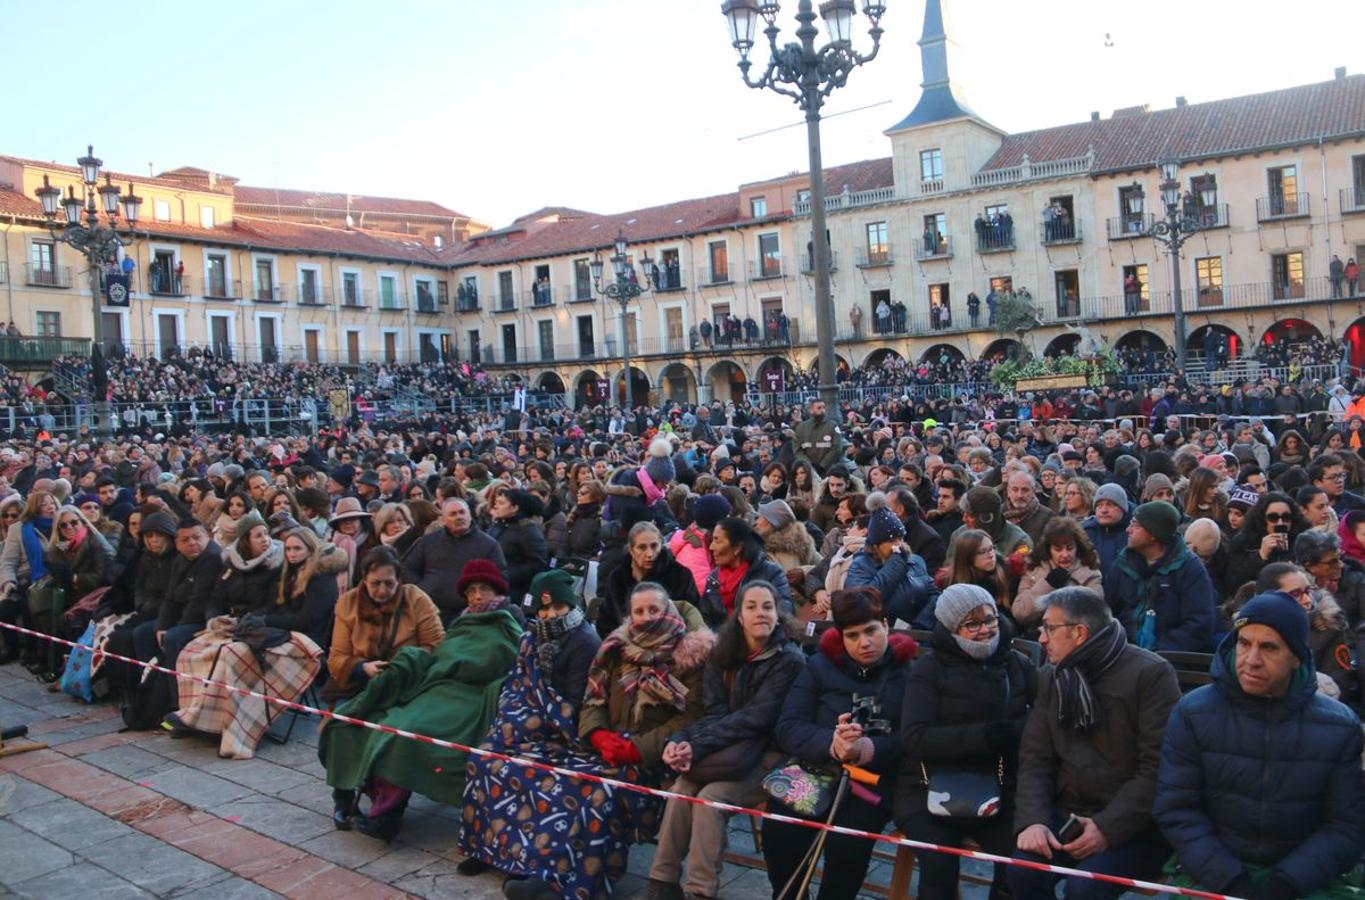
(864, 713)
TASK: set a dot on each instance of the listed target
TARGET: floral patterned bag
(800, 789)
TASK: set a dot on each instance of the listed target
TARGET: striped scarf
(645, 654)
(1076, 706)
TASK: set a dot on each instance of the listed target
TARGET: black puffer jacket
(713, 605)
(666, 571)
(524, 552)
(744, 704)
(309, 612)
(152, 581)
(962, 714)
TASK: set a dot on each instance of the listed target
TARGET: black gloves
(1058, 578)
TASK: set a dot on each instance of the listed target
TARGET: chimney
(1340, 73)
(1181, 103)
(1095, 115)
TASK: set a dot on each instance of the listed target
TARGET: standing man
(1259, 790)
(818, 441)
(1091, 749)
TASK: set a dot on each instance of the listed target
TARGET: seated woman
(965, 706)
(644, 685)
(307, 592)
(449, 693)
(240, 648)
(1266, 536)
(148, 578)
(738, 552)
(975, 560)
(859, 657)
(724, 755)
(537, 715)
(350, 528)
(1063, 556)
(237, 505)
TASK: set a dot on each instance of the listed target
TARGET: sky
(495, 108)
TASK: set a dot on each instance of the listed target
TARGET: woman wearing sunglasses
(1267, 536)
(79, 560)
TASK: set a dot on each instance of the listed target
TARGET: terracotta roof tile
(121, 177)
(1286, 117)
(359, 203)
(13, 203)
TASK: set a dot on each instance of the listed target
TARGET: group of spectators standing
(973, 603)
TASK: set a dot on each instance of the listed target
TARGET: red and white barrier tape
(1132, 883)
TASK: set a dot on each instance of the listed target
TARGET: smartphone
(1071, 829)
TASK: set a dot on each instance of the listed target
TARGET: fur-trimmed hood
(903, 647)
(1327, 615)
(333, 560)
(790, 540)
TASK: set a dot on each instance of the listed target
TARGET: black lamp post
(808, 75)
(624, 287)
(98, 243)
(1172, 232)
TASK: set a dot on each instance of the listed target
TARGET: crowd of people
(958, 616)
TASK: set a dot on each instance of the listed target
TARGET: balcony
(995, 240)
(1028, 170)
(713, 278)
(1282, 206)
(541, 296)
(47, 276)
(168, 284)
(580, 292)
(1124, 228)
(670, 279)
(222, 289)
(762, 270)
(313, 295)
(271, 293)
(932, 186)
(506, 303)
(427, 304)
(1215, 216)
(848, 200)
(354, 298)
(871, 257)
(940, 249)
(30, 351)
(1353, 199)
(808, 262)
(1068, 308)
(392, 301)
(1059, 233)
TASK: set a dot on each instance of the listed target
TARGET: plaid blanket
(284, 671)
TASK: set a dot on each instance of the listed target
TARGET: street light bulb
(742, 16)
(109, 194)
(595, 267)
(621, 244)
(1170, 194)
(1136, 197)
(874, 10)
(132, 205)
(838, 16)
(50, 197)
(1170, 170)
(72, 205)
(90, 166)
(1208, 194)
(769, 9)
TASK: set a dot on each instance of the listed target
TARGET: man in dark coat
(1108, 527)
(1260, 788)
(818, 440)
(920, 536)
(434, 563)
(191, 602)
(1158, 589)
(1091, 749)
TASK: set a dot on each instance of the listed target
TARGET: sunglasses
(1279, 517)
(69, 523)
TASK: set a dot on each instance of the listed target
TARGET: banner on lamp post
(116, 289)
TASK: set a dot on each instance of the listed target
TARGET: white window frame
(541, 346)
(398, 348)
(231, 315)
(419, 333)
(280, 341)
(125, 325)
(274, 261)
(227, 269)
(316, 269)
(343, 348)
(729, 261)
(342, 272)
(56, 312)
(212, 215)
(157, 313)
(431, 286)
(156, 210)
(379, 277)
(663, 322)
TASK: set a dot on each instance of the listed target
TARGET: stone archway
(678, 383)
(727, 381)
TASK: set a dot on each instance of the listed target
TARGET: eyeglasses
(1299, 593)
(980, 624)
(1331, 561)
(1048, 629)
(69, 523)
(1279, 517)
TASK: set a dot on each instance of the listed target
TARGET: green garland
(1098, 369)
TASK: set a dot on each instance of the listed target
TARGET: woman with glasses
(976, 561)
(964, 709)
(1329, 635)
(584, 522)
(21, 564)
(79, 560)
(1267, 536)
(1078, 498)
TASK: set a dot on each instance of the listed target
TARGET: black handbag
(964, 795)
(729, 763)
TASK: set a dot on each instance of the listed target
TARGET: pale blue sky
(495, 107)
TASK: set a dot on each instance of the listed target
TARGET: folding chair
(308, 698)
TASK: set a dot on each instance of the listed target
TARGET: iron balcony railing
(315, 295)
(1353, 199)
(161, 283)
(506, 303)
(222, 289)
(707, 277)
(354, 297)
(768, 267)
(996, 239)
(1282, 206)
(808, 262)
(47, 276)
(542, 296)
(580, 292)
(427, 304)
(669, 279)
(391, 301)
(270, 293)
(1123, 228)
(1215, 216)
(28, 350)
(870, 257)
(1060, 232)
(939, 249)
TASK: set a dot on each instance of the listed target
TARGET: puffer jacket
(907, 588)
(744, 704)
(524, 551)
(1109, 540)
(691, 547)
(152, 581)
(947, 720)
(824, 691)
(245, 584)
(90, 566)
(762, 568)
(666, 571)
(1266, 782)
(1176, 587)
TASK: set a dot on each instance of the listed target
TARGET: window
(719, 253)
(217, 276)
(803, 195)
(388, 292)
(308, 287)
(265, 279)
(1059, 219)
(1283, 182)
(545, 331)
(205, 216)
(49, 324)
(505, 298)
(770, 256)
(467, 294)
(1137, 296)
(940, 311)
(933, 242)
(1195, 208)
(443, 293)
(162, 210)
(995, 228)
(472, 336)
(426, 298)
(878, 249)
(586, 344)
(670, 271)
(509, 343)
(582, 279)
(353, 347)
(931, 165)
(758, 207)
(1208, 274)
(350, 288)
(1068, 286)
(42, 259)
(1003, 284)
(542, 294)
(673, 329)
(1286, 276)
(1131, 209)
(879, 303)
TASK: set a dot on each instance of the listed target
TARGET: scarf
(730, 578)
(977, 650)
(549, 632)
(32, 532)
(388, 540)
(1017, 515)
(272, 558)
(485, 606)
(74, 544)
(645, 653)
(652, 493)
(1087, 663)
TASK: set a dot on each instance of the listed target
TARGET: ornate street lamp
(808, 75)
(623, 288)
(1171, 232)
(98, 242)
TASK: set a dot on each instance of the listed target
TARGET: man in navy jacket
(1260, 788)
(1157, 588)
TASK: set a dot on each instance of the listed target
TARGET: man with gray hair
(435, 561)
(1090, 752)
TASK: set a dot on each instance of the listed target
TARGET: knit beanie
(1156, 482)
(778, 513)
(708, 510)
(1243, 499)
(158, 523)
(957, 602)
(883, 527)
(1126, 465)
(85, 497)
(1277, 610)
(659, 466)
(1160, 519)
(343, 475)
(248, 522)
(983, 503)
(1114, 493)
(553, 586)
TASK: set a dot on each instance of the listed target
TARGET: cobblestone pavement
(103, 814)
